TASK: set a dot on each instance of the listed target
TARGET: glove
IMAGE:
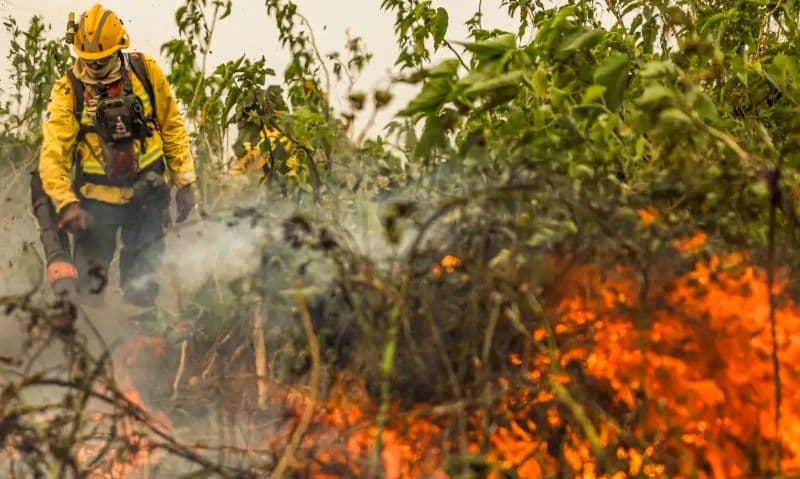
(74, 219)
(184, 200)
(63, 278)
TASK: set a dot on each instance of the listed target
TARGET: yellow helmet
(99, 34)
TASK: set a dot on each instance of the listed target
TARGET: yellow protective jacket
(254, 159)
(60, 130)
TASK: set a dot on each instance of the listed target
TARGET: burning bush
(572, 254)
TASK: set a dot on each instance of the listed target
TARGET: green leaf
(499, 97)
(592, 94)
(655, 94)
(439, 26)
(502, 81)
(705, 107)
(580, 171)
(446, 68)
(759, 189)
(227, 11)
(649, 34)
(653, 70)
(542, 237)
(636, 23)
(784, 63)
(179, 14)
(613, 74)
(540, 81)
(676, 16)
(433, 94)
(583, 41)
(493, 47)
(713, 20)
(641, 147)
(472, 78)
(432, 136)
(501, 260)
(675, 116)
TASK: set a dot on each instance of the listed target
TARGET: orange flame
(693, 371)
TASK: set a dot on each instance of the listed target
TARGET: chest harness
(118, 117)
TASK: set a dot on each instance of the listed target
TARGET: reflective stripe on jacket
(60, 130)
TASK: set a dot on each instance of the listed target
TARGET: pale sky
(248, 30)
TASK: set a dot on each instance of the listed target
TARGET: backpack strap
(78, 93)
(136, 62)
(78, 99)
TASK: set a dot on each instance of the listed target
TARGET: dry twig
(316, 370)
(179, 374)
(260, 356)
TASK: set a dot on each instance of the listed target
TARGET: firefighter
(113, 142)
(260, 148)
(257, 158)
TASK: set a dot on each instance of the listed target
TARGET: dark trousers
(141, 224)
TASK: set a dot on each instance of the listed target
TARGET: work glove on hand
(62, 276)
(74, 219)
(184, 200)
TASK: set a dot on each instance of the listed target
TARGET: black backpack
(136, 62)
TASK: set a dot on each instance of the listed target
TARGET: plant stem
(316, 371)
(204, 62)
(261, 357)
(776, 365)
(179, 374)
(319, 56)
(387, 368)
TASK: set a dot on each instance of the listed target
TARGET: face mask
(102, 69)
(99, 65)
